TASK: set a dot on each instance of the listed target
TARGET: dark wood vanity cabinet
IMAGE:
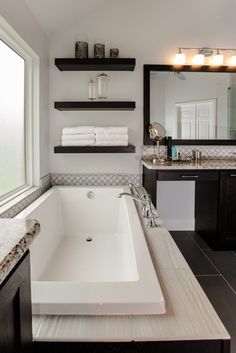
(227, 208)
(15, 310)
(215, 206)
(215, 202)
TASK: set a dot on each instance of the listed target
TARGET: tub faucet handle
(152, 223)
(147, 206)
(134, 190)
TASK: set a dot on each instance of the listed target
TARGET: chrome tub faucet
(146, 203)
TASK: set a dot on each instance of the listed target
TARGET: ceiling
(56, 15)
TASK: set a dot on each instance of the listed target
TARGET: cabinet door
(206, 209)
(227, 208)
(15, 310)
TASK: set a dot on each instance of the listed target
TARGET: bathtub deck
(190, 316)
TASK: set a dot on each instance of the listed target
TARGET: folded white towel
(111, 143)
(78, 143)
(78, 137)
(111, 130)
(112, 137)
(78, 130)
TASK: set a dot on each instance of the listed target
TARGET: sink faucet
(146, 203)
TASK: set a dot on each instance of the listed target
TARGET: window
(19, 128)
(12, 120)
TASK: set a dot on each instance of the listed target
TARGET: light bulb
(217, 59)
(179, 58)
(233, 60)
(198, 59)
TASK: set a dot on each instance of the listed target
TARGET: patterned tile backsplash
(19, 206)
(95, 179)
(208, 152)
(72, 179)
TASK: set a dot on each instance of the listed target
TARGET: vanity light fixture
(233, 60)
(198, 59)
(217, 58)
(179, 58)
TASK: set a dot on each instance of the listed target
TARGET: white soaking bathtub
(91, 256)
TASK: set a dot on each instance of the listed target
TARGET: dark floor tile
(199, 240)
(180, 235)
(231, 279)
(225, 261)
(224, 301)
(198, 262)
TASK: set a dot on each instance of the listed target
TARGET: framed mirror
(196, 105)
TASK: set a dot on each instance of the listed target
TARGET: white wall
(17, 14)
(149, 30)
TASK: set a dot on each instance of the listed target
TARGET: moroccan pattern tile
(208, 152)
(19, 206)
(95, 179)
(72, 179)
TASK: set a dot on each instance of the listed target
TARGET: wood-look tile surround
(190, 316)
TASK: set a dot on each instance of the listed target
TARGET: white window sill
(13, 200)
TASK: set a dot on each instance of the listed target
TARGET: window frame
(31, 108)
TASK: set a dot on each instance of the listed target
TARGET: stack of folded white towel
(111, 136)
(95, 136)
(78, 136)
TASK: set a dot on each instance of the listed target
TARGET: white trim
(12, 194)
(17, 198)
(15, 42)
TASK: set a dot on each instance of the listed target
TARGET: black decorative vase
(81, 50)
(99, 50)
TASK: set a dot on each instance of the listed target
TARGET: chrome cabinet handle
(190, 176)
(233, 175)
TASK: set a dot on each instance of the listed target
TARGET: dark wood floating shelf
(93, 64)
(94, 149)
(95, 105)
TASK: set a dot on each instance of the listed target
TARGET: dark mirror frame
(146, 91)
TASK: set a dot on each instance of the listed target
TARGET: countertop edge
(22, 233)
(204, 165)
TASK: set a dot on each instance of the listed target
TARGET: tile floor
(216, 273)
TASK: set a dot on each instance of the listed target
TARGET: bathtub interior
(83, 239)
(91, 257)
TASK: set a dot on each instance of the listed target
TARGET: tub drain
(89, 239)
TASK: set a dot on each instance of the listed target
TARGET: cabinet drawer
(187, 175)
(228, 174)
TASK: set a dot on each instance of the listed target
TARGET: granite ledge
(15, 237)
(205, 164)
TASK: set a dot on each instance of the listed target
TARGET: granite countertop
(15, 237)
(191, 165)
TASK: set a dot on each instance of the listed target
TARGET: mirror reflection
(194, 105)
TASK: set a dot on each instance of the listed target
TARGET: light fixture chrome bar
(221, 49)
